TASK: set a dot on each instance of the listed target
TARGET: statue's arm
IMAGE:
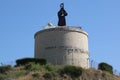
(65, 13)
(59, 13)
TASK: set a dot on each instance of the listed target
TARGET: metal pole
(91, 63)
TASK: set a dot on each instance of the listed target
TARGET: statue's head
(62, 5)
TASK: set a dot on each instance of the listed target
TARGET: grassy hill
(33, 71)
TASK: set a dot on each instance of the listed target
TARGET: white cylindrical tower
(63, 46)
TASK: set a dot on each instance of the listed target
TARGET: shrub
(40, 61)
(50, 67)
(105, 67)
(5, 68)
(25, 61)
(3, 77)
(72, 71)
(36, 75)
(49, 75)
(33, 67)
(20, 73)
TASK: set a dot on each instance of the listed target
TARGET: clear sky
(20, 19)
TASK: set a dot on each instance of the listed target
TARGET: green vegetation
(25, 61)
(36, 71)
(105, 67)
(5, 68)
(3, 77)
(72, 71)
(33, 67)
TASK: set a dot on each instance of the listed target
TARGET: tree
(25, 61)
(105, 67)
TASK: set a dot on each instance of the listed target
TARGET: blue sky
(20, 19)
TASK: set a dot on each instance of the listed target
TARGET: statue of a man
(61, 16)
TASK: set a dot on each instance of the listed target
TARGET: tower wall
(63, 46)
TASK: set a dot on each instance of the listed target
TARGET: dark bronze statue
(61, 16)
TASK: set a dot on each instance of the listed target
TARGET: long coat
(61, 16)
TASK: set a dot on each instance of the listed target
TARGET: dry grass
(92, 74)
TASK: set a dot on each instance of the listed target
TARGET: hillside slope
(50, 72)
